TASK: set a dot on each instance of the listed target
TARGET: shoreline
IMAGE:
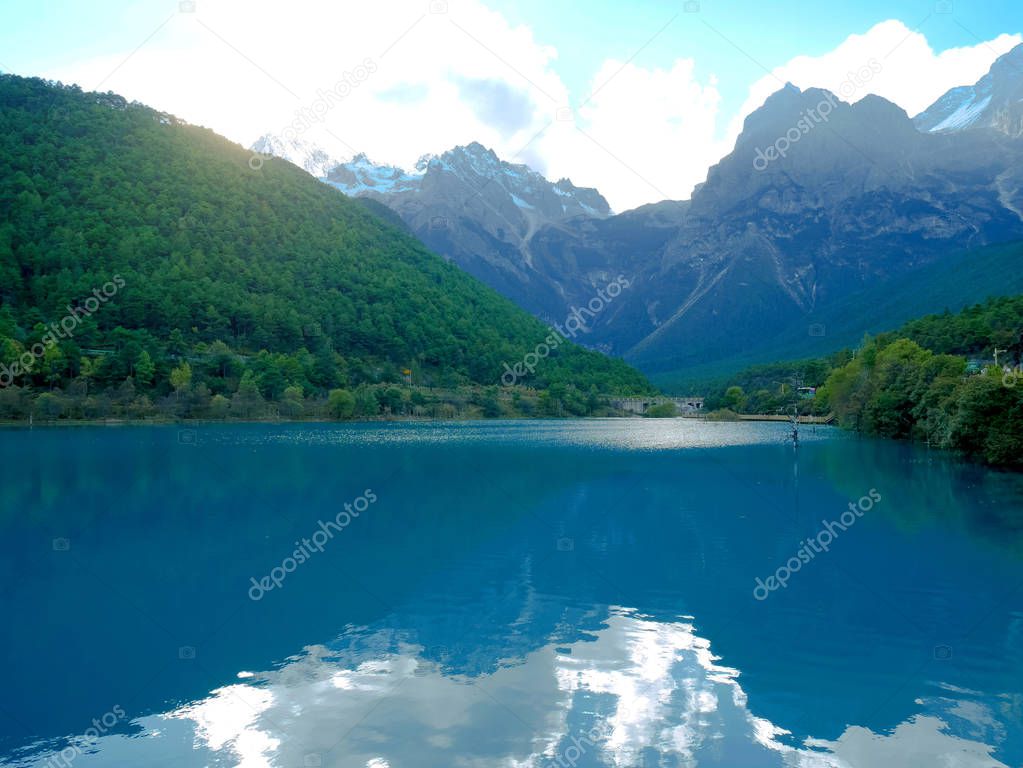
(815, 420)
(49, 423)
(377, 420)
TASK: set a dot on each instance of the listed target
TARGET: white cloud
(645, 135)
(244, 67)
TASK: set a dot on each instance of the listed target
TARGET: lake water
(579, 593)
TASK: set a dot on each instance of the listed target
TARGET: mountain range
(820, 200)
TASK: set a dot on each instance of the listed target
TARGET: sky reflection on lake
(522, 594)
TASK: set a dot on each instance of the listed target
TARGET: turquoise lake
(510, 593)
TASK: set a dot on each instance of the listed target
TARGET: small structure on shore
(640, 405)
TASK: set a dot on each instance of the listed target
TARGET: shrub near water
(901, 390)
(661, 411)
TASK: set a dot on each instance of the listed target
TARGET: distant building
(639, 405)
(807, 392)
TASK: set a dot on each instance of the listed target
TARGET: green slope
(210, 250)
(956, 282)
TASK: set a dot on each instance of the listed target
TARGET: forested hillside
(144, 260)
(933, 380)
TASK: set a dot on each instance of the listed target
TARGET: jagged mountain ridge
(478, 167)
(863, 195)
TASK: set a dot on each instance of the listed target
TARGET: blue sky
(670, 86)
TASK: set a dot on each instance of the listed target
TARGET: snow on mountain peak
(468, 164)
(304, 154)
(361, 176)
(993, 102)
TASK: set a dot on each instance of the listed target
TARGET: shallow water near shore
(508, 593)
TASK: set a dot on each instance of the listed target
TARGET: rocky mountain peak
(994, 102)
(304, 154)
(812, 144)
